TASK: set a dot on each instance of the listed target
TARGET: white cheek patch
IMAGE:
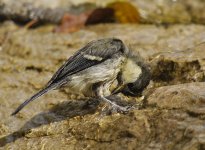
(131, 72)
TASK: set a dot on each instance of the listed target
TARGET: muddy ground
(172, 115)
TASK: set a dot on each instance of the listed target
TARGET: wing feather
(103, 49)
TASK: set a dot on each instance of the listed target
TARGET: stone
(172, 116)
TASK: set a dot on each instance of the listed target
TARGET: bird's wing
(92, 54)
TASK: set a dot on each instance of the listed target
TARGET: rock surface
(157, 12)
(171, 118)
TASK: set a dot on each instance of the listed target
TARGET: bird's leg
(113, 104)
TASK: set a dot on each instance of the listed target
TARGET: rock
(171, 118)
(164, 126)
(157, 12)
(189, 97)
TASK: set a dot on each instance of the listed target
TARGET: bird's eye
(130, 85)
(129, 91)
(133, 89)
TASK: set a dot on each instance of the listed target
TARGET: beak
(118, 89)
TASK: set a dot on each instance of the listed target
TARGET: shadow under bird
(101, 68)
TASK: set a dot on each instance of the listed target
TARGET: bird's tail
(40, 93)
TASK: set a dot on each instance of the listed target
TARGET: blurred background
(36, 37)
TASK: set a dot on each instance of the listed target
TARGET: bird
(101, 68)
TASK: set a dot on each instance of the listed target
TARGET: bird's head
(136, 76)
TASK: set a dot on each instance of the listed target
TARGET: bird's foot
(122, 109)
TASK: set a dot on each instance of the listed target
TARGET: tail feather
(40, 93)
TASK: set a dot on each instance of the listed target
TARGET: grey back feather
(103, 48)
